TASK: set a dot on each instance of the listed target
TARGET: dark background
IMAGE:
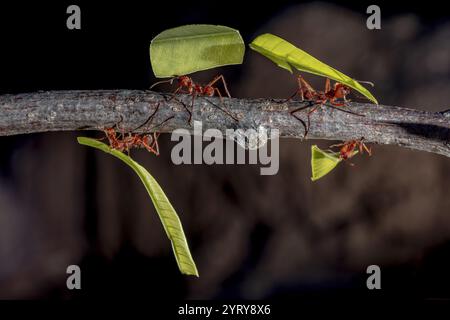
(252, 236)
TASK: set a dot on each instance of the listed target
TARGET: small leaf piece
(322, 162)
(169, 218)
(187, 49)
(286, 55)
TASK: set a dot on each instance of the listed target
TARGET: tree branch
(130, 109)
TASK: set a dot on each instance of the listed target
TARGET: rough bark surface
(130, 109)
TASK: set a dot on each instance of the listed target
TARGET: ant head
(341, 90)
(208, 91)
(185, 81)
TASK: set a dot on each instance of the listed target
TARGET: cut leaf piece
(286, 56)
(187, 49)
(169, 218)
(322, 162)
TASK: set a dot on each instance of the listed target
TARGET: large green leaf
(286, 55)
(187, 49)
(169, 218)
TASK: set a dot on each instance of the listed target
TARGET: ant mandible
(188, 86)
(339, 91)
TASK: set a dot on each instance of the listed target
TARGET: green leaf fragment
(169, 218)
(286, 56)
(322, 162)
(187, 49)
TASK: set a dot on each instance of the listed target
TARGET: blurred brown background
(252, 236)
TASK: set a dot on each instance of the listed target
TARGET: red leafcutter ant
(331, 95)
(130, 141)
(347, 149)
(147, 141)
(188, 86)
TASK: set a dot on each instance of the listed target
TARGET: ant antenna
(360, 96)
(163, 81)
(366, 82)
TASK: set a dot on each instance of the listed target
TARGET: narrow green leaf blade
(286, 55)
(169, 218)
(187, 49)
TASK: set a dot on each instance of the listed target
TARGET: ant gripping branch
(147, 141)
(339, 91)
(347, 149)
(130, 141)
(188, 86)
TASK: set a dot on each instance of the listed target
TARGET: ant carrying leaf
(347, 149)
(125, 142)
(180, 51)
(324, 161)
(286, 56)
(330, 95)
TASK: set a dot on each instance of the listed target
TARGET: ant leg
(177, 90)
(294, 94)
(338, 106)
(302, 122)
(110, 134)
(303, 87)
(368, 149)
(149, 148)
(149, 119)
(225, 110)
(309, 115)
(192, 107)
(155, 144)
(155, 137)
(337, 145)
(127, 145)
(293, 112)
(160, 124)
(217, 78)
(327, 85)
(184, 106)
(180, 90)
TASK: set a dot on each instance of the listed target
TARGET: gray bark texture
(130, 110)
